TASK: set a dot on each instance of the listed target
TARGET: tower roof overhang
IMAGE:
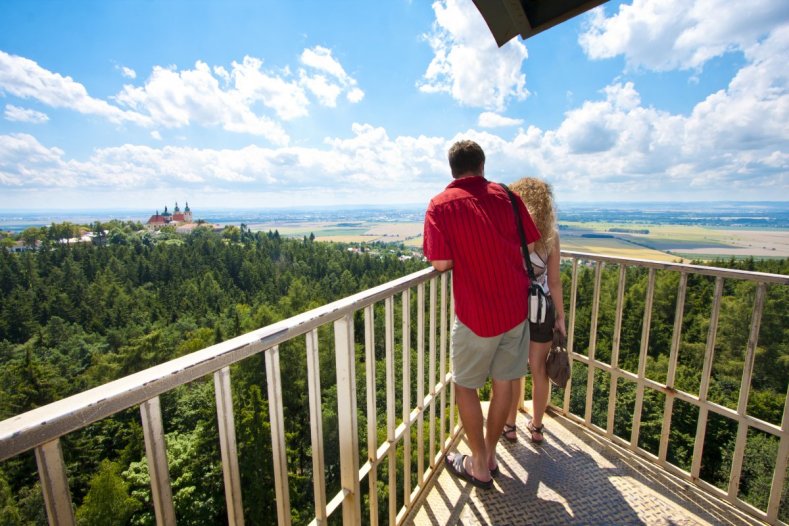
(507, 19)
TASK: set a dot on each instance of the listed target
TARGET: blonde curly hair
(537, 195)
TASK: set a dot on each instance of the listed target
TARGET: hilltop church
(166, 218)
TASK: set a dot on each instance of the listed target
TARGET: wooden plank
(156, 453)
(227, 446)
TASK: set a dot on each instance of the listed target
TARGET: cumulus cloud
(488, 119)
(732, 144)
(17, 114)
(664, 35)
(244, 98)
(369, 156)
(24, 162)
(24, 78)
(467, 64)
(176, 99)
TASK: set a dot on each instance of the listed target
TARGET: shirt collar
(468, 182)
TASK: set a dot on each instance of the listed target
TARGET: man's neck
(470, 174)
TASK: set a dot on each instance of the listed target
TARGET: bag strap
(524, 244)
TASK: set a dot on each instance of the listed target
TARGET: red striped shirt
(472, 223)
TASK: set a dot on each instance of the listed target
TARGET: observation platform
(391, 363)
(573, 477)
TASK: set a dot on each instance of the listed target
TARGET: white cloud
(17, 114)
(176, 99)
(734, 144)
(273, 89)
(664, 35)
(24, 78)
(489, 119)
(369, 157)
(24, 162)
(355, 95)
(326, 92)
(244, 99)
(156, 135)
(129, 73)
(321, 59)
(327, 89)
(467, 64)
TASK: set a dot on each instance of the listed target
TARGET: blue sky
(261, 104)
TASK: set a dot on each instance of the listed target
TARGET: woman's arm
(555, 286)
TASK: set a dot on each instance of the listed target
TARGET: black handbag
(539, 302)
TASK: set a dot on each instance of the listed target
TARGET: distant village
(181, 220)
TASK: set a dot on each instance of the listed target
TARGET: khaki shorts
(502, 357)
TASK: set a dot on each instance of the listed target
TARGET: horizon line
(371, 205)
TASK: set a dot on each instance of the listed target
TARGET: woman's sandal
(536, 430)
(510, 433)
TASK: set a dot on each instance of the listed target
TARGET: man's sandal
(456, 464)
(535, 430)
(510, 433)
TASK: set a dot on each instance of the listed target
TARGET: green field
(658, 242)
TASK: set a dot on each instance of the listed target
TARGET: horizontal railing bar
(336, 501)
(383, 449)
(703, 270)
(724, 411)
(28, 430)
(365, 470)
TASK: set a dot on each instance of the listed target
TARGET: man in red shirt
(470, 228)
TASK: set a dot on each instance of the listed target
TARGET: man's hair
(466, 156)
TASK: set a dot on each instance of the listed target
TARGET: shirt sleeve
(434, 244)
(529, 228)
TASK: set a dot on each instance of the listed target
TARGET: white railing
(431, 407)
(42, 428)
(740, 416)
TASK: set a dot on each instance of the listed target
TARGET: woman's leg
(540, 387)
(510, 431)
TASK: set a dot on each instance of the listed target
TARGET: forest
(73, 317)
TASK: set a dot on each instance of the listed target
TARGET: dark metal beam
(509, 18)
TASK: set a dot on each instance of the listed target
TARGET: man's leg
(471, 415)
(497, 416)
(512, 358)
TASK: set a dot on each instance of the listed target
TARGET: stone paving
(573, 477)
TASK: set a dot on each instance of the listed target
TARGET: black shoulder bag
(538, 300)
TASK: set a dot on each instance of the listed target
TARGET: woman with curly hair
(538, 197)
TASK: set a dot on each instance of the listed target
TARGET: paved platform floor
(573, 477)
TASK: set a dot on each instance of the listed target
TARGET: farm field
(693, 242)
(641, 241)
(615, 247)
